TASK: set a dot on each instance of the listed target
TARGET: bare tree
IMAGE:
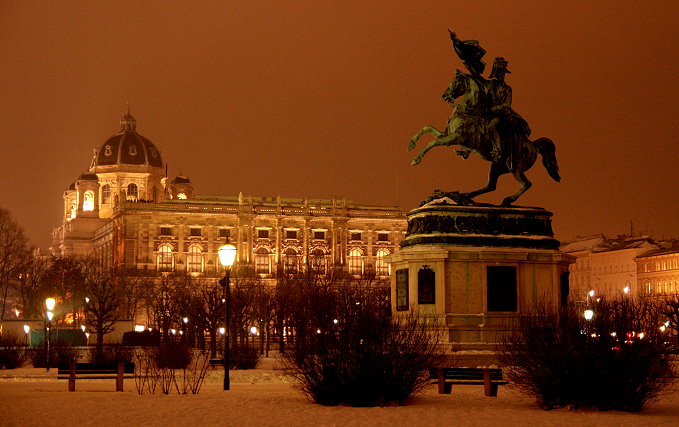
(65, 281)
(31, 287)
(670, 310)
(13, 254)
(208, 311)
(103, 301)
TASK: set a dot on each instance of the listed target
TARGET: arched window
(262, 261)
(105, 194)
(290, 260)
(132, 192)
(194, 261)
(74, 210)
(355, 261)
(381, 266)
(88, 202)
(318, 263)
(165, 258)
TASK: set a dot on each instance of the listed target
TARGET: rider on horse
(505, 123)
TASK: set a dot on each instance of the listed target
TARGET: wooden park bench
(446, 377)
(216, 362)
(94, 371)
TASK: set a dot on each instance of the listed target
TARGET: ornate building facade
(123, 210)
(658, 273)
(608, 265)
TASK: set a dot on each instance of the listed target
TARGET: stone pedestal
(477, 268)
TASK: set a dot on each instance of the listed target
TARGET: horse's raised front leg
(427, 129)
(525, 185)
(434, 143)
(496, 170)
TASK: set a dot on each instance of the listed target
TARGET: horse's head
(458, 87)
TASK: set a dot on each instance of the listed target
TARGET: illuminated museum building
(125, 212)
(634, 265)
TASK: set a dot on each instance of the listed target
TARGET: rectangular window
(382, 237)
(195, 232)
(319, 235)
(224, 232)
(501, 288)
(426, 286)
(291, 234)
(262, 233)
(166, 231)
(355, 235)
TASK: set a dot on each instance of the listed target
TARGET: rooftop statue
(484, 122)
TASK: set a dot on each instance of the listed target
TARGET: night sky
(319, 99)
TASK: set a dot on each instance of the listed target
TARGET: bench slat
(92, 370)
(446, 377)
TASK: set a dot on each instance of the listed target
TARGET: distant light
(222, 331)
(641, 335)
(139, 328)
(591, 293)
(589, 314)
(181, 332)
(82, 327)
(50, 303)
(614, 334)
(50, 315)
(335, 321)
(185, 320)
(253, 330)
(662, 328)
(87, 335)
(17, 312)
(625, 289)
(87, 300)
(27, 329)
(173, 331)
(318, 331)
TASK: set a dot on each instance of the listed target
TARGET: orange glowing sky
(319, 99)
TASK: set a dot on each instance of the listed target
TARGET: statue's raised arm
(470, 52)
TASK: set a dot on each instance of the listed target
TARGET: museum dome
(127, 147)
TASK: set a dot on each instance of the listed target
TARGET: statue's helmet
(499, 66)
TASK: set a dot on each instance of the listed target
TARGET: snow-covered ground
(262, 397)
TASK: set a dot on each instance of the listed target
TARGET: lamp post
(27, 331)
(227, 255)
(49, 303)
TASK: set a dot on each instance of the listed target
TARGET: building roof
(127, 147)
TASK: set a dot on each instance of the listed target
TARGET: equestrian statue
(483, 122)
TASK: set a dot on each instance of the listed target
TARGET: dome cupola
(127, 147)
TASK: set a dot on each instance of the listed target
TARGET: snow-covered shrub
(617, 360)
(12, 354)
(348, 349)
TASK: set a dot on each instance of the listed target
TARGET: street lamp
(227, 255)
(49, 303)
(27, 331)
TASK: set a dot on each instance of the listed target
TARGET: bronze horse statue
(468, 127)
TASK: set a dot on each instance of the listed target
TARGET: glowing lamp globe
(227, 254)
(50, 303)
(589, 314)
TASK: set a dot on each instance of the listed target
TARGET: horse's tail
(547, 150)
